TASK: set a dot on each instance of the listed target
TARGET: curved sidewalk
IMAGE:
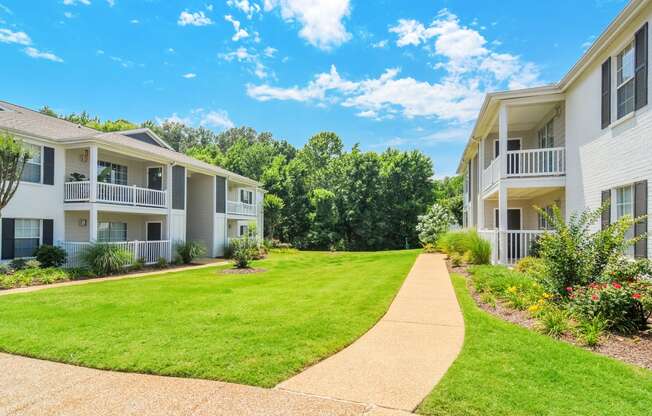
(399, 361)
(388, 371)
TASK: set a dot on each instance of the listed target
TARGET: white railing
(536, 162)
(240, 208)
(491, 175)
(148, 251)
(115, 194)
(77, 191)
(519, 243)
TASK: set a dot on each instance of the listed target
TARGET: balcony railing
(149, 251)
(115, 194)
(519, 243)
(527, 163)
(240, 208)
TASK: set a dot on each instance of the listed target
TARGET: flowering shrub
(625, 269)
(518, 289)
(619, 304)
(434, 224)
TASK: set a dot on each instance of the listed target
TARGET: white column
(502, 222)
(92, 224)
(168, 219)
(480, 201)
(92, 160)
(502, 138)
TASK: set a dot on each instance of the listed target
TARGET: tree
(273, 206)
(13, 156)
(323, 219)
(434, 224)
(449, 193)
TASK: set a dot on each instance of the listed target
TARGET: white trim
(147, 229)
(508, 209)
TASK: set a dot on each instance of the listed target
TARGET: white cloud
(134, 21)
(76, 2)
(8, 36)
(320, 20)
(248, 8)
(5, 9)
(200, 117)
(189, 75)
(251, 58)
(111, 3)
(69, 15)
(380, 44)
(270, 52)
(35, 53)
(239, 32)
(194, 19)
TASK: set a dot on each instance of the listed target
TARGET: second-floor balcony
(115, 194)
(241, 208)
(526, 163)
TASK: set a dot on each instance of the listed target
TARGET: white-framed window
(27, 237)
(111, 231)
(624, 205)
(33, 167)
(243, 229)
(546, 135)
(246, 196)
(111, 173)
(625, 70)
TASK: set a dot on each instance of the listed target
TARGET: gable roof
(146, 135)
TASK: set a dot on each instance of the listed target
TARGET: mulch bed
(247, 270)
(633, 349)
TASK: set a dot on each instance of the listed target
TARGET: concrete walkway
(387, 372)
(110, 278)
(399, 361)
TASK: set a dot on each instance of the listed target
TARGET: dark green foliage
(449, 193)
(51, 256)
(105, 259)
(190, 250)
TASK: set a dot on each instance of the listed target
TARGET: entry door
(513, 219)
(155, 178)
(154, 232)
(514, 248)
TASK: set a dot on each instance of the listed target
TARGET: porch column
(480, 201)
(502, 139)
(92, 224)
(168, 200)
(92, 160)
(502, 222)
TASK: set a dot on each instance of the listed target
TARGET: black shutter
(48, 232)
(640, 93)
(8, 238)
(220, 195)
(640, 209)
(606, 204)
(178, 187)
(48, 166)
(606, 93)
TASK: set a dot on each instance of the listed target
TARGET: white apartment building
(578, 143)
(128, 188)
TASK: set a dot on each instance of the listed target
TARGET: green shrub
(454, 242)
(161, 263)
(32, 264)
(80, 272)
(244, 250)
(479, 249)
(532, 266)
(51, 256)
(138, 264)
(618, 304)
(34, 276)
(553, 321)
(18, 264)
(429, 248)
(456, 260)
(434, 224)
(190, 250)
(626, 269)
(573, 254)
(105, 259)
(4, 268)
(589, 332)
(520, 290)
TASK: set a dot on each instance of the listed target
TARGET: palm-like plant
(13, 157)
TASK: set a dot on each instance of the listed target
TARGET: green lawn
(255, 329)
(507, 370)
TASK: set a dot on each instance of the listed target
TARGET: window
(246, 196)
(243, 230)
(625, 80)
(542, 220)
(546, 135)
(111, 231)
(111, 173)
(32, 170)
(624, 205)
(27, 237)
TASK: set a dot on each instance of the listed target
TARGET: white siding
(201, 210)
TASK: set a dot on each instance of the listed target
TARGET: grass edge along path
(505, 369)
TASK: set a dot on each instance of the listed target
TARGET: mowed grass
(508, 370)
(256, 329)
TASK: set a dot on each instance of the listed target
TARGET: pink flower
(569, 289)
(636, 296)
(595, 298)
(616, 285)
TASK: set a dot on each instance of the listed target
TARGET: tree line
(319, 196)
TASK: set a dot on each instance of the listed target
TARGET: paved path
(399, 361)
(110, 278)
(387, 372)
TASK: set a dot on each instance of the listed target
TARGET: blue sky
(406, 74)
